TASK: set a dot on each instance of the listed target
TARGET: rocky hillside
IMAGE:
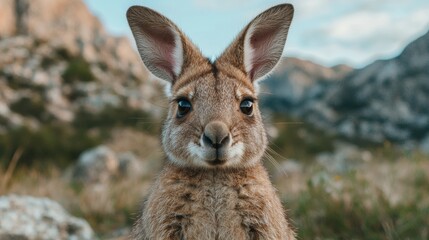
(295, 80)
(55, 66)
(387, 100)
(63, 67)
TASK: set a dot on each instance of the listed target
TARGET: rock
(344, 158)
(384, 101)
(101, 164)
(290, 166)
(294, 78)
(129, 165)
(7, 23)
(287, 168)
(38, 49)
(30, 218)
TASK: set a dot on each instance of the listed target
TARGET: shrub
(3, 121)
(116, 117)
(59, 145)
(63, 53)
(31, 107)
(47, 62)
(78, 69)
(300, 140)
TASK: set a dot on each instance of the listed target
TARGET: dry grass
(106, 207)
(386, 198)
(380, 199)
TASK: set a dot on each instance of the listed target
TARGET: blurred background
(347, 112)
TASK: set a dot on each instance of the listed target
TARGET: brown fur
(212, 204)
(192, 199)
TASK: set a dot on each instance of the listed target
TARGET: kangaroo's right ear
(163, 48)
(258, 48)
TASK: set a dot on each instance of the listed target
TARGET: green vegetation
(57, 145)
(358, 209)
(347, 101)
(47, 62)
(63, 53)
(75, 94)
(300, 140)
(357, 213)
(78, 69)
(19, 83)
(61, 144)
(3, 121)
(111, 117)
(347, 206)
(31, 107)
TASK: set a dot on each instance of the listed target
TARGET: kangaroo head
(213, 119)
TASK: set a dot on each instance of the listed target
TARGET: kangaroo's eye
(246, 107)
(183, 107)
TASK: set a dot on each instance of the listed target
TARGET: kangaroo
(213, 184)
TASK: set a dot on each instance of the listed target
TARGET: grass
(357, 214)
(387, 198)
(106, 208)
(383, 199)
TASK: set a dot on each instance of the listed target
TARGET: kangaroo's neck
(248, 175)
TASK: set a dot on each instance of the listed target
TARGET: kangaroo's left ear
(164, 49)
(259, 46)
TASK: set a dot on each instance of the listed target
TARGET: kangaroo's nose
(216, 135)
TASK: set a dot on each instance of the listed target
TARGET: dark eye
(183, 107)
(246, 106)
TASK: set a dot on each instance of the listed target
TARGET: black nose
(216, 143)
(216, 135)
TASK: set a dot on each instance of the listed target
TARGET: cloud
(326, 31)
(359, 32)
(369, 26)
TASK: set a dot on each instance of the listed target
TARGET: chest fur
(211, 206)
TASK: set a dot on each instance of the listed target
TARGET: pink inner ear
(162, 42)
(261, 42)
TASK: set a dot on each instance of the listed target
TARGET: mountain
(384, 101)
(294, 80)
(57, 61)
(63, 67)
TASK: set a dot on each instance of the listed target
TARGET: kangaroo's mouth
(216, 162)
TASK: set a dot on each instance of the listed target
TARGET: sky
(328, 32)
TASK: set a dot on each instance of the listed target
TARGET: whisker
(239, 128)
(142, 118)
(288, 123)
(156, 104)
(268, 93)
(274, 162)
(140, 122)
(277, 154)
(274, 145)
